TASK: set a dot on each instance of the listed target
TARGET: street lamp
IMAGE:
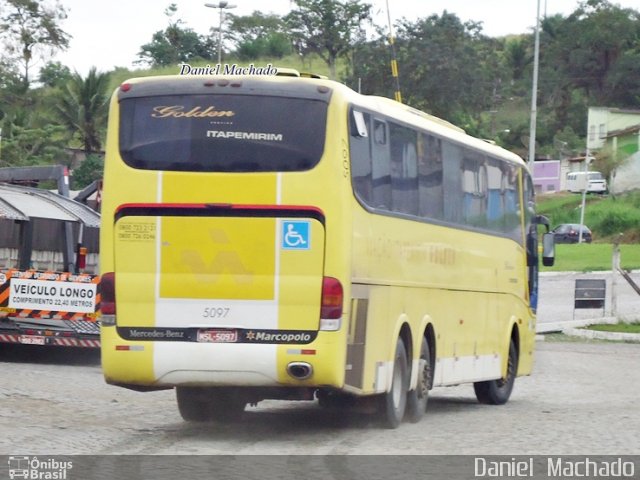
(222, 4)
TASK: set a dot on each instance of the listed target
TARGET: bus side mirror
(548, 249)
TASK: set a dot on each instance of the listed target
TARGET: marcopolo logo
(280, 336)
(35, 468)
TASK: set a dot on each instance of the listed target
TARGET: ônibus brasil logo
(33, 468)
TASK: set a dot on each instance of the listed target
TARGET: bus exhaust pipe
(300, 370)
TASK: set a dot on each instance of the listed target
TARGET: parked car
(570, 233)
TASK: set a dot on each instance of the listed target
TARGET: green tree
(175, 44)
(82, 107)
(259, 35)
(518, 56)
(327, 27)
(10, 88)
(29, 30)
(54, 74)
(87, 172)
(587, 49)
(447, 68)
(26, 142)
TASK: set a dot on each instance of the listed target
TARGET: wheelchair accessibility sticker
(296, 235)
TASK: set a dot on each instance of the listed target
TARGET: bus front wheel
(497, 392)
(394, 402)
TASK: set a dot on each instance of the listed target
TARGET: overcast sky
(109, 33)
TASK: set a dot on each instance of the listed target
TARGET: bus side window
(510, 196)
(380, 167)
(404, 169)
(495, 196)
(360, 152)
(474, 186)
(453, 194)
(430, 191)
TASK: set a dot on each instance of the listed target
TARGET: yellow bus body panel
(402, 275)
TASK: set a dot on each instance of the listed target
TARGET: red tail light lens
(82, 258)
(332, 298)
(108, 293)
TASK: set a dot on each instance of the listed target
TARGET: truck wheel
(417, 399)
(497, 392)
(394, 402)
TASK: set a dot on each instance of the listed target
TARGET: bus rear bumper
(162, 364)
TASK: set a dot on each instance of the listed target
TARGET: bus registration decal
(217, 336)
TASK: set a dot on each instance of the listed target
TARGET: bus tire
(394, 402)
(497, 392)
(417, 399)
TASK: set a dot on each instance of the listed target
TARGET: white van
(593, 182)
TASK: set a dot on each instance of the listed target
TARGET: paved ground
(582, 399)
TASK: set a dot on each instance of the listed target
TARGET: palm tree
(83, 107)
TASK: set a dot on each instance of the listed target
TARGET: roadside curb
(595, 334)
(552, 327)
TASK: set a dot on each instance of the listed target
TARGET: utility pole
(222, 5)
(584, 193)
(534, 95)
(394, 61)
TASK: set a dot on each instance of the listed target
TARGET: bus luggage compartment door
(198, 269)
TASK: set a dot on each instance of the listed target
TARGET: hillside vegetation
(608, 218)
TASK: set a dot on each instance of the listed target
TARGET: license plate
(217, 336)
(32, 340)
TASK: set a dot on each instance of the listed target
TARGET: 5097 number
(216, 312)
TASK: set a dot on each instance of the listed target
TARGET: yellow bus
(282, 237)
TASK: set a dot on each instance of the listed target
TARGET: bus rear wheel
(417, 399)
(394, 402)
(200, 404)
(497, 392)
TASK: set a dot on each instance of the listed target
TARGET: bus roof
(305, 86)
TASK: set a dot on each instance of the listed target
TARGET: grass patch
(589, 257)
(607, 217)
(610, 219)
(620, 327)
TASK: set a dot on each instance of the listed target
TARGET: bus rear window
(222, 133)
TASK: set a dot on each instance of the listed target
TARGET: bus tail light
(108, 292)
(331, 306)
